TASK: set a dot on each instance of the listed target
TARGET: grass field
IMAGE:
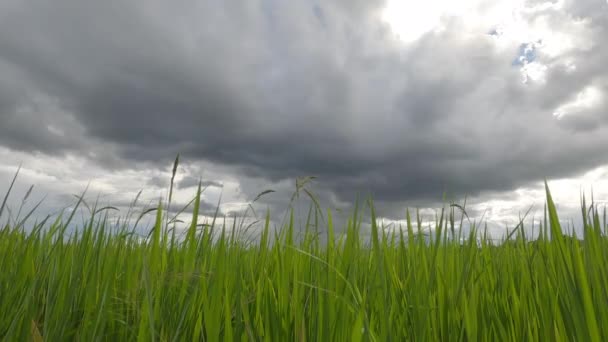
(212, 285)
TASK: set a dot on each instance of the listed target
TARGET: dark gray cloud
(158, 182)
(191, 181)
(284, 89)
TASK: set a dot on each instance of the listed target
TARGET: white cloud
(587, 99)
(543, 26)
(534, 72)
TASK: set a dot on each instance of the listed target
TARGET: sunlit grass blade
(8, 192)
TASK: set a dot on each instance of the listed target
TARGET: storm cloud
(275, 90)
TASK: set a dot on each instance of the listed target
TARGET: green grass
(213, 285)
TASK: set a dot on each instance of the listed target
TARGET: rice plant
(213, 285)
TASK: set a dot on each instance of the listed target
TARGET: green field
(322, 285)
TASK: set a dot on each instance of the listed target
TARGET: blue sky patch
(527, 53)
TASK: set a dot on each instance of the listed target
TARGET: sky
(404, 101)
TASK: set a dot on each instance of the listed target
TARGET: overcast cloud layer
(491, 97)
